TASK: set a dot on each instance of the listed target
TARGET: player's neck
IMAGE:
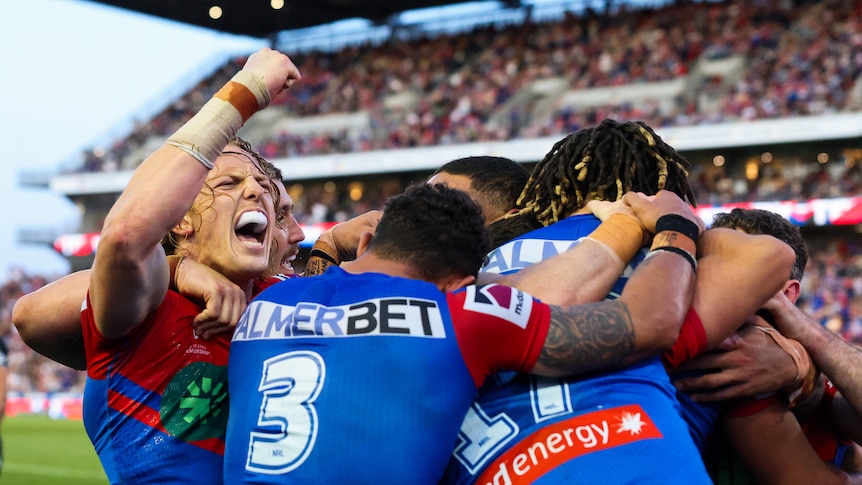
(369, 262)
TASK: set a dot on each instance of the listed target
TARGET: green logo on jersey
(195, 404)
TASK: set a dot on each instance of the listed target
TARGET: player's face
(287, 235)
(235, 214)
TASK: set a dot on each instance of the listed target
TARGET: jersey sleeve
(498, 328)
(263, 283)
(98, 348)
(101, 350)
(690, 343)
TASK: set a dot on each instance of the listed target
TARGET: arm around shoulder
(742, 269)
(49, 319)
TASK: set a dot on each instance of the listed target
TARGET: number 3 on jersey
(290, 383)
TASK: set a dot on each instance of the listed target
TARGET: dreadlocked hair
(603, 162)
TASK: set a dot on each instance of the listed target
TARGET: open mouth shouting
(251, 227)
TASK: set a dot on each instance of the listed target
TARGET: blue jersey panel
(334, 389)
(616, 427)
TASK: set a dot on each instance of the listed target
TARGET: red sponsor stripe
(559, 442)
(153, 419)
(135, 410)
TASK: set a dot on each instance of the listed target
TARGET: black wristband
(323, 255)
(682, 252)
(678, 223)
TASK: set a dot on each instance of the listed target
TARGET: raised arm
(130, 272)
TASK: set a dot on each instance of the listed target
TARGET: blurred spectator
(29, 371)
(832, 289)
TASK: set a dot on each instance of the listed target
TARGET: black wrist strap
(323, 255)
(682, 252)
(677, 223)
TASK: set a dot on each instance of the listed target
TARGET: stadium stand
(30, 372)
(552, 72)
(547, 76)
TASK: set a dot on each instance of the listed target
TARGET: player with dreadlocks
(603, 163)
(622, 426)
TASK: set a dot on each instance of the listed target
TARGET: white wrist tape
(205, 135)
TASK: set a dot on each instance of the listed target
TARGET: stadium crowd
(30, 372)
(833, 293)
(800, 58)
(318, 202)
(789, 181)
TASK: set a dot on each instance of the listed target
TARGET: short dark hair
(438, 230)
(509, 228)
(603, 162)
(497, 180)
(759, 221)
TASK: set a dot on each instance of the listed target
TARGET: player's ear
(185, 228)
(364, 241)
(455, 282)
(791, 290)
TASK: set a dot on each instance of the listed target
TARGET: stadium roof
(257, 18)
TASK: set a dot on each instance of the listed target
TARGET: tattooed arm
(317, 264)
(643, 321)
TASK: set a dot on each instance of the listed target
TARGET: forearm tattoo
(589, 337)
(665, 238)
(316, 265)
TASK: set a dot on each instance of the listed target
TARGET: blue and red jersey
(345, 378)
(621, 426)
(156, 402)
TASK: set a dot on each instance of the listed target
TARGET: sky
(74, 72)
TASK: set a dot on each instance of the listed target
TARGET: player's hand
(275, 69)
(345, 236)
(649, 208)
(746, 364)
(603, 209)
(789, 319)
(223, 301)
